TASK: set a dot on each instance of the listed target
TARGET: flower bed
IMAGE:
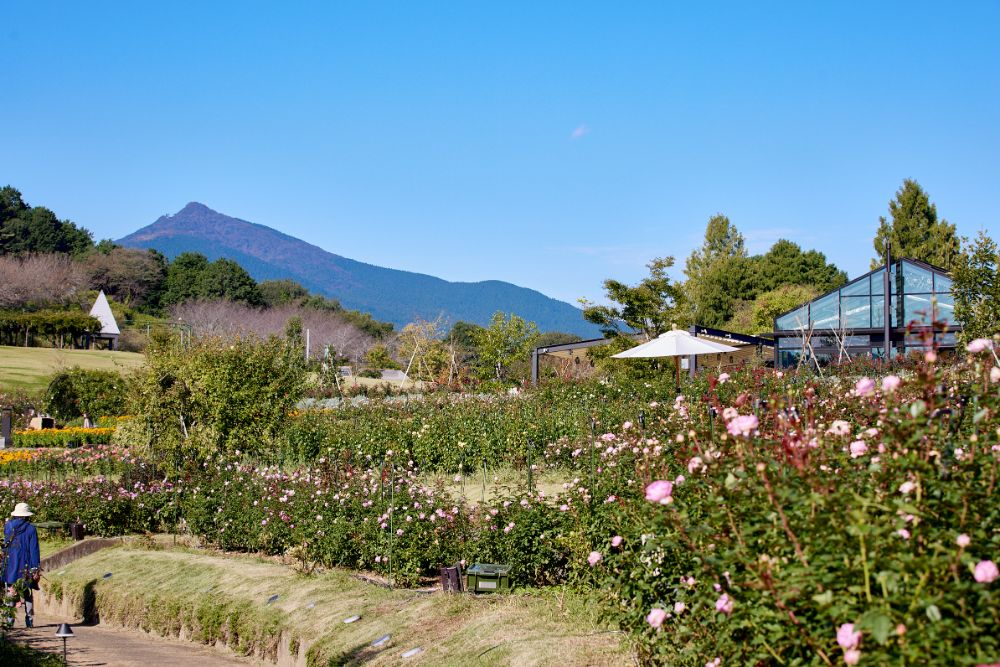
(758, 519)
(63, 437)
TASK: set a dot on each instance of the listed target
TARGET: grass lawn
(30, 368)
(212, 597)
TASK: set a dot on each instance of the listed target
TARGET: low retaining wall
(64, 557)
(66, 608)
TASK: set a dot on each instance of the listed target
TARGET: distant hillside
(388, 294)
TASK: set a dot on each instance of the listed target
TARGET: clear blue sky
(548, 144)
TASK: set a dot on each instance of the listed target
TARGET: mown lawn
(30, 368)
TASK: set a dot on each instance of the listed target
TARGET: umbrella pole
(677, 363)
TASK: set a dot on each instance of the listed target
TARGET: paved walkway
(96, 646)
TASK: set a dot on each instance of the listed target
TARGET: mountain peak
(195, 207)
(388, 294)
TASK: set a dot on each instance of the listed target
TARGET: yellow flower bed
(20, 456)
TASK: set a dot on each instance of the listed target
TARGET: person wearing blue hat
(20, 557)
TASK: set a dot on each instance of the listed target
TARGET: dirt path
(94, 646)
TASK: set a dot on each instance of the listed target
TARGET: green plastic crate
(487, 578)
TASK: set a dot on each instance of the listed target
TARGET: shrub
(75, 391)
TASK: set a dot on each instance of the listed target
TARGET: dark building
(856, 319)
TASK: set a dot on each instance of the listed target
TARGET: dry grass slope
(214, 598)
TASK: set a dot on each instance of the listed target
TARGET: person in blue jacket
(20, 556)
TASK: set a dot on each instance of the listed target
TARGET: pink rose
(986, 572)
(995, 375)
(852, 656)
(723, 378)
(890, 383)
(979, 345)
(724, 604)
(660, 491)
(594, 558)
(847, 638)
(742, 425)
(963, 540)
(858, 448)
(864, 386)
(616, 541)
(839, 427)
(656, 617)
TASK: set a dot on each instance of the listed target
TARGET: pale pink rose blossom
(679, 608)
(864, 386)
(656, 617)
(695, 464)
(963, 540)
(743, 425)
(723, 378)
(907, 487)
(904, 533)
(847, 638)
(839, 427)
(979, 345)
(724, 604)
(717, 662)
(890, 383)
(660, 492)
(995, 375)
(594, 558)
(616, 541)
(858, 448)
(931, 356)
(986, 572)
(852, 656)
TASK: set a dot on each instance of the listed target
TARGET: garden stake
(530, 447)
(392, 502)
(484, 481)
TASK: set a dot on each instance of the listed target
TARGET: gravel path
(94, 646)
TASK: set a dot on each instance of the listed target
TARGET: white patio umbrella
(675, 343)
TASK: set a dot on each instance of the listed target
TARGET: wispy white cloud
(580, 131)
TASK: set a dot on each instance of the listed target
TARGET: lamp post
(64, 632)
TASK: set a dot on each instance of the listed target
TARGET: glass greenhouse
(851, 320)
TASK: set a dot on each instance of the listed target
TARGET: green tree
(225, 279)
(718, 273)
(281, 292)
(786, 264)
(757, 316)
(378, 357)
(505, 341)
(915, 230)
(184, 278)
(976, 288)
(212, 396)
(650, 307)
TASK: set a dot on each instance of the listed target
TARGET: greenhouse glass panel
(796, 319)
(825, 312)
(877, 279)
(855, 312)
(917, 280)
(860, 287)
(878, 304)
(942, 284)
(917, 307)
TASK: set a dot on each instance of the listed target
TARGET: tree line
(726, 287)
